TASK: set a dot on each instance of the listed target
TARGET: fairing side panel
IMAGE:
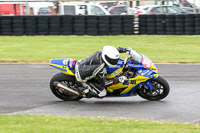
(144, 75)
(62, 65)
(128, 84)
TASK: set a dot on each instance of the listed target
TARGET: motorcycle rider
(90, 72)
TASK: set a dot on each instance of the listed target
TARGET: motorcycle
(142, 80)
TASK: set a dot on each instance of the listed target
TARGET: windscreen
(136, 56)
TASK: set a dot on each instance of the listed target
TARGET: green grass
(52, 124)
(43, 48)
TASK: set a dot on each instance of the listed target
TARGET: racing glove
(133, 54)
(128, 50)
(124, 50)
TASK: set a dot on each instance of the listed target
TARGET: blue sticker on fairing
(72, 64)
(112, 69)
(63, 61)
(146, 73)
(127, 82)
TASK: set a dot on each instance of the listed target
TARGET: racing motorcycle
(142, 80)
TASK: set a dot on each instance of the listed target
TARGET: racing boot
(85, 92)
(97, 89)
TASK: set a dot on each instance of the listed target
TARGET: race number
(146, 63)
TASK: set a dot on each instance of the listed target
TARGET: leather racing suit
(91, 71)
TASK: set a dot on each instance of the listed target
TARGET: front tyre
(160, 91)
(61, 93)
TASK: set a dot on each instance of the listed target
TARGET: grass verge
(43, 48)
(53, 124)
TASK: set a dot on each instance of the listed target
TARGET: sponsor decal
(71, 64)
(65, 67)
(65, 62)
(127, 82)
(154, 76)
(140, 71)
(147, 72)
(115, 73)
(133, 82)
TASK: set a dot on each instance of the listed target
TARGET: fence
(162, 24)
(67, 25)
(181, 24)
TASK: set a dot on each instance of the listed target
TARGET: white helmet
(110, 55)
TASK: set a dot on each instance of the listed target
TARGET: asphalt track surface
(24, 89)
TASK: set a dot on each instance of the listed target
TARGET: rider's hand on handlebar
(133, 54)
(128, 50)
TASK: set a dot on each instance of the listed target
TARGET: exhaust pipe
(71, 91)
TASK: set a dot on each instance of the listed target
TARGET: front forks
(149, 85)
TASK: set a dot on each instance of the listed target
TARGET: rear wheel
(160, 91)
(61, 93)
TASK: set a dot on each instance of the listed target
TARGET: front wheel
(61, 93)
(160, 91)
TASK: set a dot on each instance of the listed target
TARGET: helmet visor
(111, 61)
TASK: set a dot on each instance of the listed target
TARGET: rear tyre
(161, 90)
(61, 93)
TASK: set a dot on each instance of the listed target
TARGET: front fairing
(145, 66)
(146, 71)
